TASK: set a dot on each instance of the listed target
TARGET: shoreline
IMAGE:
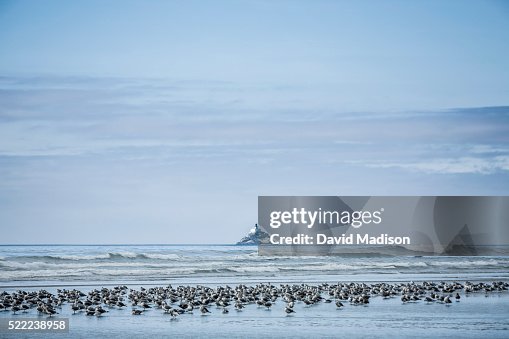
(279, 280)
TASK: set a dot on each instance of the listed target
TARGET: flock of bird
(175, 301)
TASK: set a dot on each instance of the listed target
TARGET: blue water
(21, 265)
(88, 267)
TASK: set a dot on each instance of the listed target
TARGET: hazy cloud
(464, 165)
(96, 152)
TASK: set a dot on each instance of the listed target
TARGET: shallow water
(475, 315)
(88, 267)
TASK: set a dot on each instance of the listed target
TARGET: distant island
(254, 237)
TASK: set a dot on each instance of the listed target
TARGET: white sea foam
(166, 262)
(162, 256)
(468, 263)
(82, 257)
(252, 269)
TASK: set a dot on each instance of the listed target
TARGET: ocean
(87, 267)
(65, 264)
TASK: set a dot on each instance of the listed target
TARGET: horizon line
(128, 244)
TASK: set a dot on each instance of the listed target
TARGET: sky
(163, 121)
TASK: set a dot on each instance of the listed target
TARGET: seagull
(204, 310)
(75, 308)
(289, 310)
(308, 302)
(241, 296)
(50, 311)
(166, 308)
(99, 310)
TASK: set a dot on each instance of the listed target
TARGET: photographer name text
(350, 239)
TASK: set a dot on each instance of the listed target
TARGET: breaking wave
(126, 263)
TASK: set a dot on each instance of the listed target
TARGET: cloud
(487, 149)
(96, 152)
(462, 165)
(202, 122)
